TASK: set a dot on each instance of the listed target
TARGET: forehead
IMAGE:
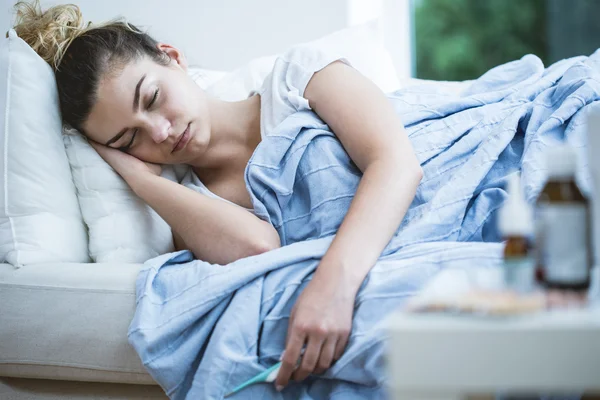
(113, 107)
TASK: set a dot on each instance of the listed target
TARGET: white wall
(5, 20)
(397, 22)
(395, 28)
(224, 34)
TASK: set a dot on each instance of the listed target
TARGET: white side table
(449, 357)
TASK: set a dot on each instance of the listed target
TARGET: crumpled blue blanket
(202, 329)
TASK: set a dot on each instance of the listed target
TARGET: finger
(310, 358)
(340, 346)
(290, 324)
(290, 357)
(327, 353)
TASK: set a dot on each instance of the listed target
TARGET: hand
(126, 165)
(321, 318)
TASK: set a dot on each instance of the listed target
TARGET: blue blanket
(202, 329)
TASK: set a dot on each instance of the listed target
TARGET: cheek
(147, 150)
(176, 109)
(186, 98)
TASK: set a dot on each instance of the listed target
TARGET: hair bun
(49, 33)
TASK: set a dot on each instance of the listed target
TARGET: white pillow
(205, 77)
(240, 83)
(122, 227)
(40, 220)
(358, 44)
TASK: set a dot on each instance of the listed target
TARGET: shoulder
(293, 69)
(282, 92)
(299, 63)
(308, 55)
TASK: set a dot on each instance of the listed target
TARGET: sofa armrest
(69, 321)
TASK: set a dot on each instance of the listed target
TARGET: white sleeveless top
(282, 94)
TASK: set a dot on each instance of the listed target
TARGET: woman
(131, 97)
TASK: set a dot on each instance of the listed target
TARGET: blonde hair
(81, 53)
(51, 32)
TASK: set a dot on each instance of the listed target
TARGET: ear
(175, 54)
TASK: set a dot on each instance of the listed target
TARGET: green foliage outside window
(461, 39)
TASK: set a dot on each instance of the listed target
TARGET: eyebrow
(136, 97)
(136, 103)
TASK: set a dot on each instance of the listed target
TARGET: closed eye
(128, 145)
(153, 98)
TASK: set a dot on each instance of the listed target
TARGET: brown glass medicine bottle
(563, 228)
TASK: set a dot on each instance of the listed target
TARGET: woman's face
(154, 112)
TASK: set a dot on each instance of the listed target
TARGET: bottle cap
(561, 161)
(515, 216)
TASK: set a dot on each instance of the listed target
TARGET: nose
(159, 127)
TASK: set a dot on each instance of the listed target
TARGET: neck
(235, 131)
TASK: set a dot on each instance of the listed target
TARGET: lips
(184, 138)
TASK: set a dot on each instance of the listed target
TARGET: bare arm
(214, 230)
(365, 122)
(179, 242)
(374, 137)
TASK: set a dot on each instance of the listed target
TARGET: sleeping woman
(134, 101)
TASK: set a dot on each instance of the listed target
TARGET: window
(461, 39)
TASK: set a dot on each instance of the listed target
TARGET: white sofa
(63, 333)
(63, 326)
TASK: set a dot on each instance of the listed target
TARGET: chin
(202, 135)
(192, 152)
(200, 140)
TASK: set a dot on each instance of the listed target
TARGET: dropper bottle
(516, 227)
